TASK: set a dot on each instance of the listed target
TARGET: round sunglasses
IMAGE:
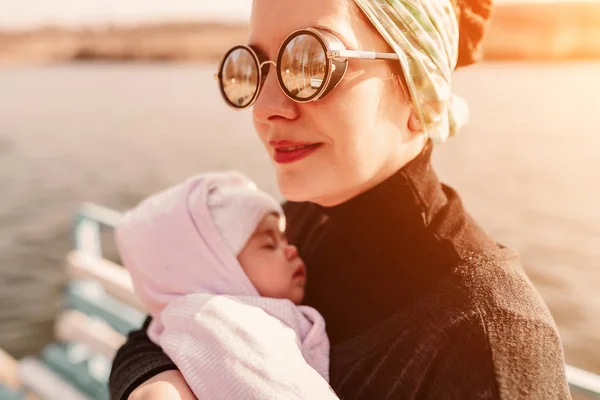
(310, 63)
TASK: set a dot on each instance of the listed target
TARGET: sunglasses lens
(303, 66)
(239, 77)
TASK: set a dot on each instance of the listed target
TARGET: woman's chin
(295, 187)
(295, 195)
(311, 191)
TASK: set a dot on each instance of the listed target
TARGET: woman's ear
(414, 124)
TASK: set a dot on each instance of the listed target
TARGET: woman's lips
(288, 152)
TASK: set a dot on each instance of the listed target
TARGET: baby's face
(272, 264)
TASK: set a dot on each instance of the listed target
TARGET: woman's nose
(272, 104)
(291, 251)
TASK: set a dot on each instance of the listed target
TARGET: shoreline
(177, 42)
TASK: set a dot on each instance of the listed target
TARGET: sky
(23, 14)
(19, 14)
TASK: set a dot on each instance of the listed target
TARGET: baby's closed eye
(269, 246)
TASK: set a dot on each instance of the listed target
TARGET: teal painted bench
(10, 394)
(86, 370)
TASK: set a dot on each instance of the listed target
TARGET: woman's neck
(410, 151)
(408, 199)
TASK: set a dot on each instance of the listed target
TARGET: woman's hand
(168, 385)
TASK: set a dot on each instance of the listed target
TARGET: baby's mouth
(300, 272)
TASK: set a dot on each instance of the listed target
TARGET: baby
(210, 261)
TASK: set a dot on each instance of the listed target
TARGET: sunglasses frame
(336, 65)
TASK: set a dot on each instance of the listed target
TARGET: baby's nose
(291, 252)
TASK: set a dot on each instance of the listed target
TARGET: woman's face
(361, 128)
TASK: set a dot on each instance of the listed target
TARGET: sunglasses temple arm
(367, 55)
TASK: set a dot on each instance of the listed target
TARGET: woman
(419, 302)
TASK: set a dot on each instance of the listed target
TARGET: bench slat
(115, 279)
(75, 326)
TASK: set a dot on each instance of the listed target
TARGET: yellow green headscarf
(424, 34)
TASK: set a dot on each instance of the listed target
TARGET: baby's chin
(297, 298)
(295, 294)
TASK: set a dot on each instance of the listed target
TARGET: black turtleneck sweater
(419, 302)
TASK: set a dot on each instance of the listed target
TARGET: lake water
(528, 168)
